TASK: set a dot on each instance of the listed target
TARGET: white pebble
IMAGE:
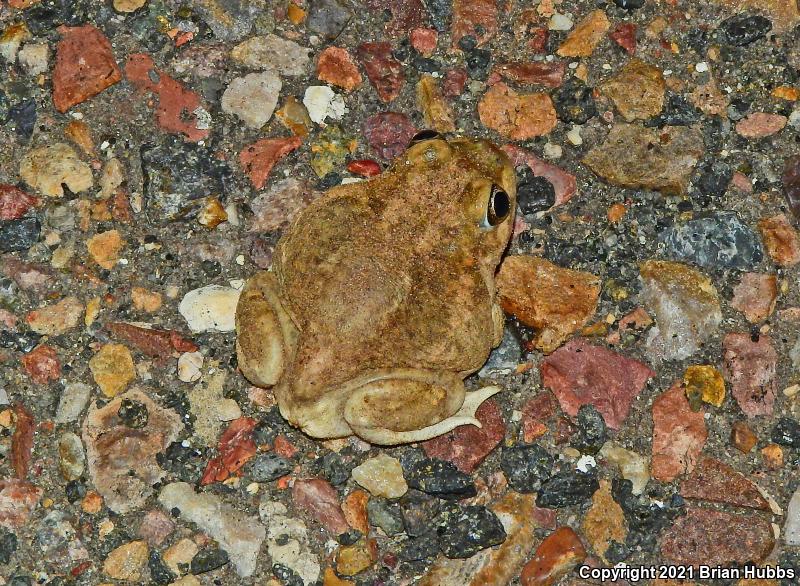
(701, 67)
(552, 151)
(210, 308)
(574, 135)
(189, 365)
(559, 22)
(322, 102)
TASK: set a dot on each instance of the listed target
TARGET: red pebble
(538, 41)
(424, 41)
(625, 36)
(364, 167)
(14, 202)
(42, 364)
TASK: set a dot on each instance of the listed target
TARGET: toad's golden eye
(424, 135)
(498, 207)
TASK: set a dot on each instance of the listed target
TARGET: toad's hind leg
(412, 405)
(265, 335)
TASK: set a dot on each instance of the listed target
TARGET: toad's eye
(498, 207)
(424, 135)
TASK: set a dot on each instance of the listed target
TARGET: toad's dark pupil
(425, 135)
(499, 206)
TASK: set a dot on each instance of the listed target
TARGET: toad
(381, 297)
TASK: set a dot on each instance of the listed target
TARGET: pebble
(786, 432)
(755, 296)
(127, 561)
(567, 488)
(252, 98)
(715, 239)
(791, 528)
(579, 373)
(180, 110)
(190, 366)
(155, 527)
(18, 499)
(473, 19)
(127, 484)
(637, 90)
(467, 446)
(207, 560)
(328, 17)
(624, 35)
(760, 125)
(591, 431)
(526, 466)
(604, 522)
(112, 369)
(34, 58)
(71, 457)
(385, 73)
(14, 202)
(19, 235)
(629, 4)
(128, 6)
(336, 66)
(715, 481)
(555, 557)
(632, 466)
(559, 22)
(636, 157)
(385, 516)
(210, 308)
(464, 531)
(42, 364)
(268, 467)
(57, 318)
(583, 40)
(791, 184)
(564, 184)
(73, 400)
(322, 102)
(382, 476)
(104, 248)
(744, 29)
(742, 437)
(704, 383)
(258, 158)
(320, 500)
(272, 52)
(435, 110)
(389, 133)
(439, 478)
(85, 66)
(237, 533)
(48, 168)
(750, 366)
(556, 302)
(685, 305)
(717, 538)
(517, 116)
(356, 558)
(679, 434)
(537, 72)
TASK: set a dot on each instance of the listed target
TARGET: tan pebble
(127, 561)
(112, 368)
(145, 300)
(104, 248)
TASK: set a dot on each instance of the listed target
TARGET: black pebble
(786, 432)
(269, 466)
(526, 466)
(18, 235)
(208, 559)
(629, 4)
(534, 194)
(591, 431)
(440, 478)
(574, 102)
(569, 487)
(464, 531)
(8, 545)
(743, 29)
(133, 413)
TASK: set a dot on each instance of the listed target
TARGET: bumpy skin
(382, 299)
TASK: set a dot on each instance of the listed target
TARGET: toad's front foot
(417, 408)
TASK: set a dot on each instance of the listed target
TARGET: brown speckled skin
(383, 289)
